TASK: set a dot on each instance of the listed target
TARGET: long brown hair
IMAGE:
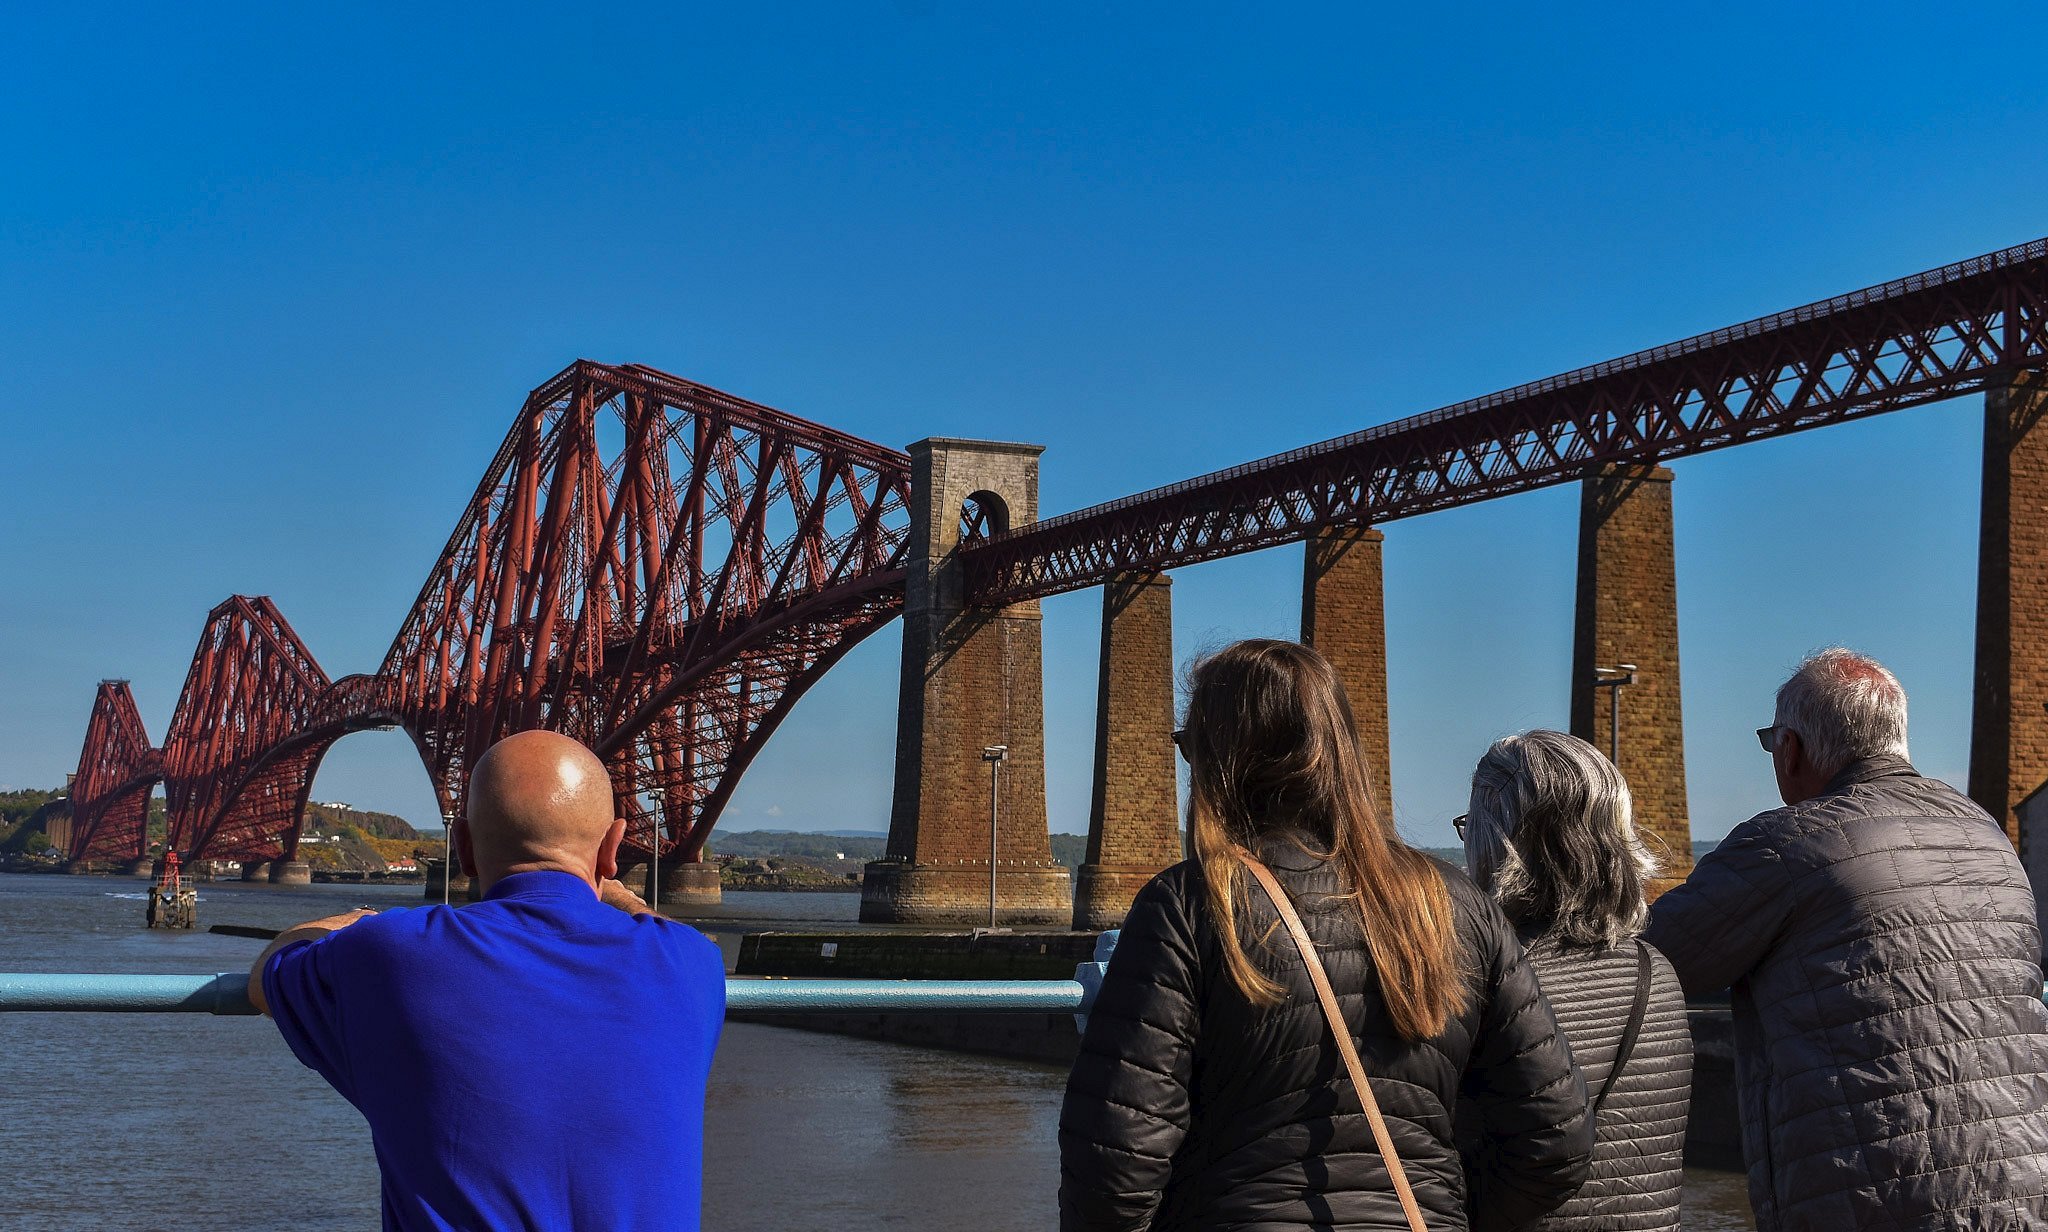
(1271, 745)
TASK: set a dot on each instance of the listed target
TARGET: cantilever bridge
(661, 570)
(654, 567)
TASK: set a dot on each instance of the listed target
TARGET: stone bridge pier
(1134, 818)
(1627, 614)
(2009, 726)
(972, 681)
(1344, 617)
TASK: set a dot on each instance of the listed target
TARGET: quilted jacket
(1189, 1107)
(1639, 1146)
(1891, 1044)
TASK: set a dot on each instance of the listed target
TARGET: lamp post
(1614, 679)
(995, 755)
(447, 852)
(654, 862)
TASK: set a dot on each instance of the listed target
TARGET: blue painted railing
(228, 994)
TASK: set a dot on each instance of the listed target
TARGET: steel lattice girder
(658, 569)
(1920, 339)
(236, 765)
(653, 566)
(117, 770)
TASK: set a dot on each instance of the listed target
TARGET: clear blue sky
(273, 284)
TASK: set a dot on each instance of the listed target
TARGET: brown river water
(194, 1122)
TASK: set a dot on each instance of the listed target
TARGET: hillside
(25, 818)
(366, 840)
(332, 818)
(795, 844)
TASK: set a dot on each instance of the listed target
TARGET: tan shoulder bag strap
(1342, 1033)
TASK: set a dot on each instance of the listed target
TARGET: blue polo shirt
(536, 1060)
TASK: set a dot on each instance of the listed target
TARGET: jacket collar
(1868, 769)
(1289, 848)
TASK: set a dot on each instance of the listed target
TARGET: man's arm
(311, 930)
(1718, 925)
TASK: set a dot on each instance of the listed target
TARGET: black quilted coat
(1190, 1108)
(1639, 1152)
(1891, 1044)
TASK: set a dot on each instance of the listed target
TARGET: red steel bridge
(661, 569)
(652, 566)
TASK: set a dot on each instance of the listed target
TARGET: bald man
(537, 1059)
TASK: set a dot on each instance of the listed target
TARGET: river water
(192, 1121)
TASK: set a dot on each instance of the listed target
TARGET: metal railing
(227, 993)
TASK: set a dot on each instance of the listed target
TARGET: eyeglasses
(1768, 737)
(1180, 741)
(1458, 824)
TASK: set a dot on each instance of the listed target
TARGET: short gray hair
(1845, 707)
(1551, 835)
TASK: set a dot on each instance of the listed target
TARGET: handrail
(227, 993)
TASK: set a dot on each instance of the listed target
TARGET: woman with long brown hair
(1211, 1090)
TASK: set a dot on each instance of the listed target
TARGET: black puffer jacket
(1639, 1154)
(1190, 1108)
(1891, 1044)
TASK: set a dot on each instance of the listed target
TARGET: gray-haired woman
(1550, 836)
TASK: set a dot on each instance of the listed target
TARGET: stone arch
(982, 515)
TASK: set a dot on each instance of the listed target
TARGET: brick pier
(1133, 826)
(1344, 616)
(2009, 732)
(1628, 613)
(972, 678)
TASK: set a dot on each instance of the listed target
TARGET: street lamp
(1614, 679)
(995, 755)
(447, 852)
(654, 863)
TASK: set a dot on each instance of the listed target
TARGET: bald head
(541, 800)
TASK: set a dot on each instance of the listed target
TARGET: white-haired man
(1878, 934)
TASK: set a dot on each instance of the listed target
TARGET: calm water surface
(191, 1121)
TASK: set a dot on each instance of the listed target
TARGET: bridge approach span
(1954, 330)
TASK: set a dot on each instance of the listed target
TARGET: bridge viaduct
(662, 569)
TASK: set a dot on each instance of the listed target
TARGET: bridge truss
(1931, 336)
(661, 569)
(650, 565)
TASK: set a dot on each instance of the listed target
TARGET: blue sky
(274, 282)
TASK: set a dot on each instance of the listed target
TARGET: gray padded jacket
(1191, 1108)
(1639, 1147)
(1891, 1044)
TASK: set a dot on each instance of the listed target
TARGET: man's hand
(612, 893)
(311, 930)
